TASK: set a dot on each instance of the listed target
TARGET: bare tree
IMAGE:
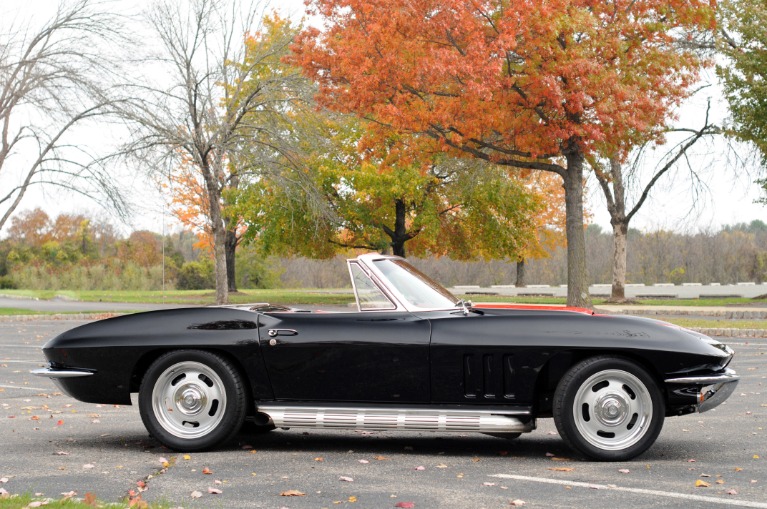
(206, 100)
(54, 78)
(613, 177)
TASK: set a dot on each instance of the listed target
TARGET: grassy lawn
(197, 297)
(17, 311)
(310, 296)
(730, 301)
(24, 501)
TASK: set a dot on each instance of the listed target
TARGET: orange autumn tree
(531, 84)
(190, 205)
(550, 220)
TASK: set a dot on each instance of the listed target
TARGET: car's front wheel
(192, 400)
(608, 408)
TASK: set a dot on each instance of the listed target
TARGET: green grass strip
(23, 501)
(709, 323)
(18, 311)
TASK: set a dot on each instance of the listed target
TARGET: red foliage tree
(531, 84)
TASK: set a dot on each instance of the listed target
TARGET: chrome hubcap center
(612, 410)
(190, 400)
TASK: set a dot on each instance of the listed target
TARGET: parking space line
(5, 361)
(23, 387)
(640, 491)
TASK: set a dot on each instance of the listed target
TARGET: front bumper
(52, 372)
(709, 391)
(60, 375)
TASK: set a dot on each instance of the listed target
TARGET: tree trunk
(577, 274)
(620, 231)
(219, 255)
(398, 248)
(400, 235)
(218, 232)
(521, 283)
(231, 248)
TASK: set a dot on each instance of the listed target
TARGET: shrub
(196, 276)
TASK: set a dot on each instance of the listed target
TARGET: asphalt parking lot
(51, 444)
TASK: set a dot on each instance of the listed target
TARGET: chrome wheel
(189, 400)
(612, 410)
(608, 408)
(192, 400)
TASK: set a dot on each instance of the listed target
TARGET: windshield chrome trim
(366, 262)
(377, 282)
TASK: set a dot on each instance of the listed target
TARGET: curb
(733, 333)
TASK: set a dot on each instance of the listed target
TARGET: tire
(192, 400)
(608, 409)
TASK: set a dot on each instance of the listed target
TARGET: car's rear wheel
(608, 408)
(192, 400)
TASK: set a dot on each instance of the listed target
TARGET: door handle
(273, 333)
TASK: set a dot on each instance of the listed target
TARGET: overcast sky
(727, 198)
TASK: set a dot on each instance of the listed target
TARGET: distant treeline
(76, 253)
(734, 254)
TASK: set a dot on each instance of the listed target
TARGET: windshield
(415, 286)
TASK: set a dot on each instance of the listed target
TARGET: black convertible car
(412, 357)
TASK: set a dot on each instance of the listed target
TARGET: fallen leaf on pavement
(732, 492)
(196, 494)
(624, 471)
(292, 493)
(517, 503)
(207, 471)
(701, 484)
(405, 505)
(89, 466)
(344, 478)
(69, 494)
(214, 491)
(420, 468)
(561, 469)
(187, 457)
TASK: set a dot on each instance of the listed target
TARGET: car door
(369, 356)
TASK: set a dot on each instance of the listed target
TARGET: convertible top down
(411, 357)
